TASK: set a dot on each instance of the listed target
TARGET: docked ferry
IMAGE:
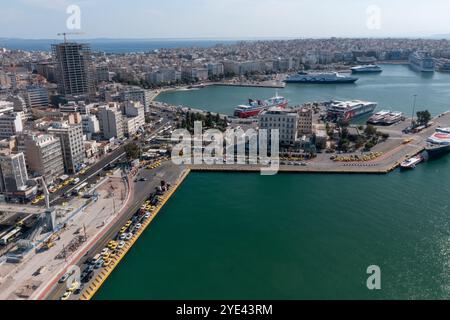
(348, 110)
(255, 107)
(371, 68)
(393, 118)
(378, 117)
(321, 78)
(438, 144)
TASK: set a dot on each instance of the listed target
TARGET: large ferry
(348, 110)
(321, 78)
(371, 68)
(438, 144)
(378, 117)
(422, 62)
(255, 107)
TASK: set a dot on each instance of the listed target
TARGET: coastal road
(167, 172)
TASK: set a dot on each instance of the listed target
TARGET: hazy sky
(227, 18)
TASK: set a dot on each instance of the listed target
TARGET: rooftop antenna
(65, 34)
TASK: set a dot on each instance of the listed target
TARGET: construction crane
(65, 34)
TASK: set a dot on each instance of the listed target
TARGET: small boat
(411, 163)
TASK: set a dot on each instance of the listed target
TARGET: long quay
(396, 149)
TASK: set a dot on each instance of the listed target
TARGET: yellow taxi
(66, 295)
(74, 286)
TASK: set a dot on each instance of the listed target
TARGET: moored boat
(438, 144)
(321, 78)
(348, 110)
(411, 163)
(255, 107)
(378, 117)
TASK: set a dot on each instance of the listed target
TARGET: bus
(10, 236)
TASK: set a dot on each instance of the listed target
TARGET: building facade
(44, 156)
(285, 120)
(111, 122)
(72, 146)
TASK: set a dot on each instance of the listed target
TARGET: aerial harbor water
(310, 236)
(393, 89)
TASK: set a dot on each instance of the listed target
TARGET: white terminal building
(285, 120)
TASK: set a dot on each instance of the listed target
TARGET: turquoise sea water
(246, 236)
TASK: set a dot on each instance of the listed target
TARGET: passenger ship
(255, 107)
(348, 110)
(422, 62)
(321, 78)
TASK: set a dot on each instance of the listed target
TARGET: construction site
(37, 241)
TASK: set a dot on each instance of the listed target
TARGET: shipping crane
(65, 34)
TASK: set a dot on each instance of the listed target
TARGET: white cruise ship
(422, 62)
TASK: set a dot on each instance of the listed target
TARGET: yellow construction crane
(65, 34)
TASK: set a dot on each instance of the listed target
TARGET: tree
(423, 117)
(133, 151)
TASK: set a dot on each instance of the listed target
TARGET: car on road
(129, 222)
(79, 289)
(123, 230)
(75, 285)
(129, 236)
(121, 244)
(104, 251)
(107, 262)
(66, 295)
(123, 236)
(143, 179)
(99, 264)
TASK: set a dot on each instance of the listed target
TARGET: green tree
(423, 117)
